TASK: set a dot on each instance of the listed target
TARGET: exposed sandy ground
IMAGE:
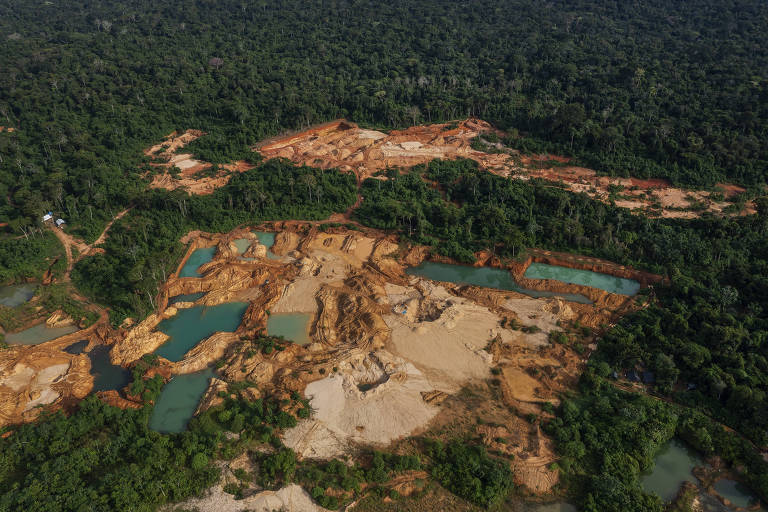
(290, 498)
(393, 407)
(345, 145)
(387, 348)
(166, 156)
(45, 374)
(443, 335)
(32, 376)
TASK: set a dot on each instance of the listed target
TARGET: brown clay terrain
(387, 349)
(34, 378)
(344, 145)
(166, 157)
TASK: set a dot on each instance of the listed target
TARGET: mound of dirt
(290, 497)
(444, 335)
(37, 376)
(372, 399)
(365, 152)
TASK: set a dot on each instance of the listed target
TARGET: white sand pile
(390, 407)
(291, 498)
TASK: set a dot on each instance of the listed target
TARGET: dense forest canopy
(675, 90)
(654, 88)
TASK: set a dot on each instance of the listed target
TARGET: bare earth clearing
(166, 157)
(386, 348)
(345, 145)
(391, 355)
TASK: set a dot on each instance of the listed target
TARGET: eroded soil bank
(34, 378)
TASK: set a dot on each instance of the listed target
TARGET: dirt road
(83, 249)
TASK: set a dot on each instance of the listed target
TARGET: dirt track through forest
(83, 249)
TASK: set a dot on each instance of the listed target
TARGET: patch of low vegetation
(468, 471)
(29, 257)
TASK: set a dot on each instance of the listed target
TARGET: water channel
(106, 376)
(605, 282)
(38, 334)
(483, 276)
(16, 295)
(178, 401)
(197, 258)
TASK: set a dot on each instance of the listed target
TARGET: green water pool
(16, 295)
(605, 282)
(197, 258)
(190, 326)
(106, 376)
(38, 334)
(737, 493)
(291, 326)
(483, 276)
(673, 465)
(178, 401)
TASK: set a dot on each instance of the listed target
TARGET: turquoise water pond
(189, 326)
(291, 326)
(178, 401)
(106, 376)
(605, 282)
(190, 297)
(197, 258)
(673, 465)
(483, 276)
(17, 294)
(738, 493)
(38, 334)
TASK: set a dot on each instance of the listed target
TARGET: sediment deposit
(386, 348)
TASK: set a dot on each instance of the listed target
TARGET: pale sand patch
(352, 249)
(51, 374)
(393, 407)
(185, 161)
(371, 134)
(40, 391)
(311, 439)
(525, 388)
(20, 377)
(543, 313)
(46, 396)
(290, 498)
(299, 297)
(443, 335)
